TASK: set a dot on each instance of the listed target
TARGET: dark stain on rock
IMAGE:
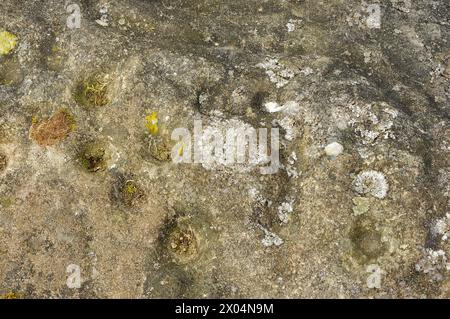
(366, 240)
(3, 162)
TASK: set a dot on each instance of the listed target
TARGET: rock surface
(95, 208)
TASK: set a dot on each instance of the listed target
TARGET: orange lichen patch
(51, 131)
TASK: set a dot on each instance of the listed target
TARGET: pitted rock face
(357, 92)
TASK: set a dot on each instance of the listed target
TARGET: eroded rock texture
(359, 207)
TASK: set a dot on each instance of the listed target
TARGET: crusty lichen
(371, 182)
(10, 72)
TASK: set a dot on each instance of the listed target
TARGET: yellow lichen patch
(10, 295)
(51, 131)
(152, 123)
(8, 42)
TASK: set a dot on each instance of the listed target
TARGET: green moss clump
(130, 192)
(92, 92)
(160, 149)
(93, 158)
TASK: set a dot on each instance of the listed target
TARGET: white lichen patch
(441, 228)
(434, 263)
(371, 182)
(285, 210)
(373, 122)
(290, 107)
(277, 72)
(288, 125)
(402, 5)
(291, 170)
(290, 26)
(220, 152)
(271, 239)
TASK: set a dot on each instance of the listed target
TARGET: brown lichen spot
(3, 162)
(51, 131)
(92, 92)
(183, 243)
(93, 157)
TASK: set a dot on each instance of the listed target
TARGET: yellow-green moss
(93, 92)
(10, 295)
(130, 192)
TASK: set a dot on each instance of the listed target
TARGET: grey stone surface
(83, 181)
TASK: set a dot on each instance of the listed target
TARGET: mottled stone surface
(101, 193)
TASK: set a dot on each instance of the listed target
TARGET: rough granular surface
(107, 190)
